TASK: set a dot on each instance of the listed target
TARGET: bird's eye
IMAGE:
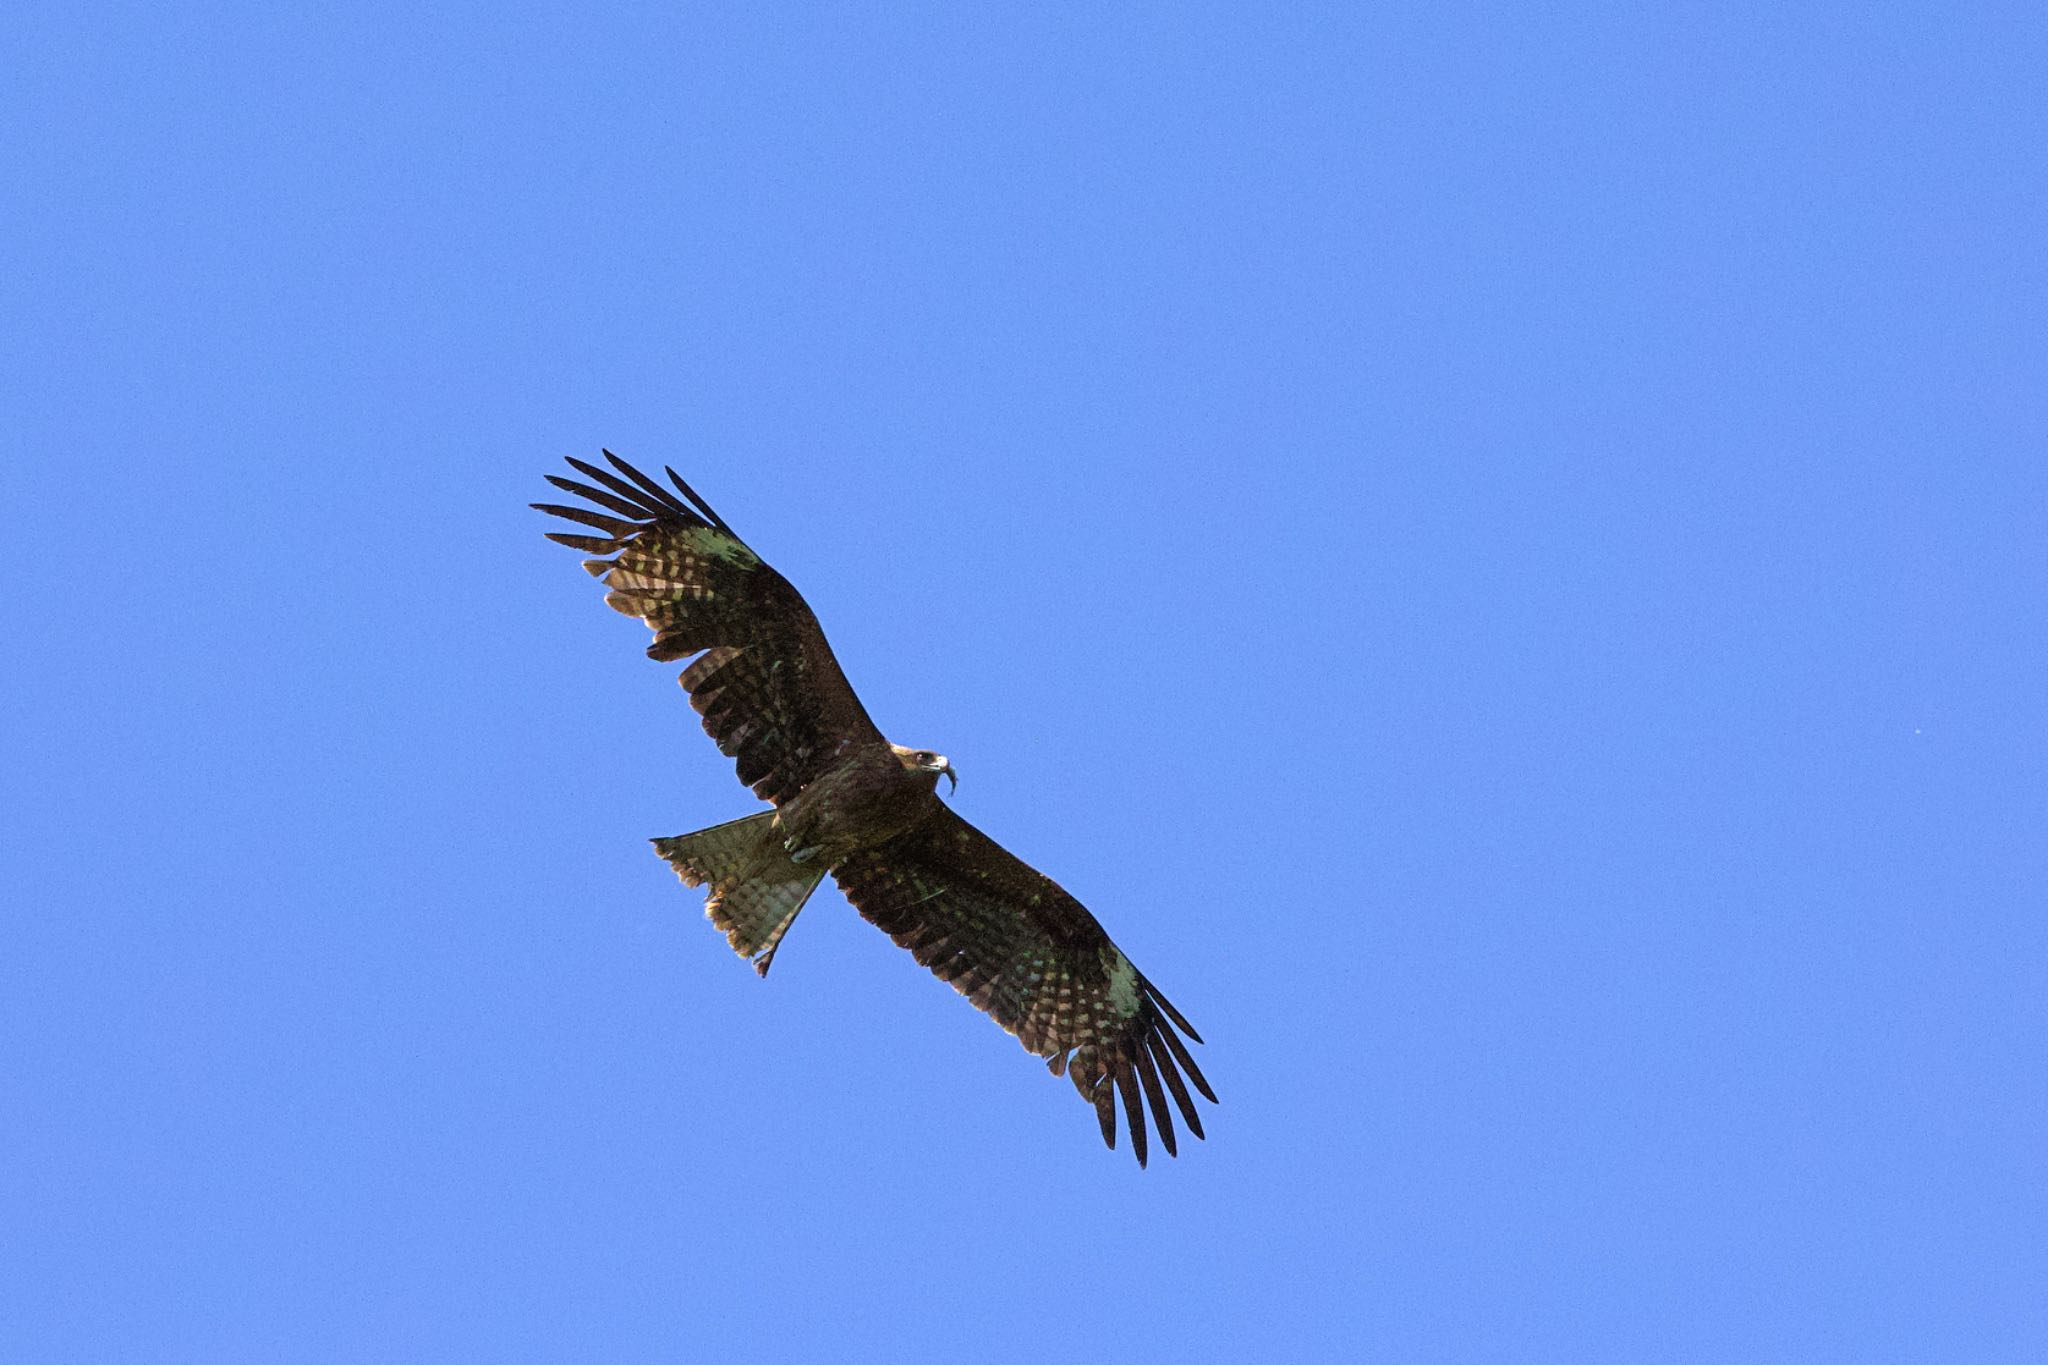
(925, 756)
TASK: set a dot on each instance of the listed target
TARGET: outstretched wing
(767, 686)
(1032, 957)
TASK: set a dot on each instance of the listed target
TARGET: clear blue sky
(1501, 549)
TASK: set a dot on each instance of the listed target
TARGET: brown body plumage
(847, 801)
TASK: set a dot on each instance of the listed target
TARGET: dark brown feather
(662, 497)
(696, 500)
(1148, 1075)
(1032, 958)
(1134, 1111)
(649, 511)
(1166, 1007)
(587, 544)
(1171, 1075)
(1187, 1063)
(598, 496)
(610, 525)
(770, 691)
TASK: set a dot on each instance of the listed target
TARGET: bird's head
(925, 761)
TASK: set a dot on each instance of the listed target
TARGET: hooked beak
(951, 777)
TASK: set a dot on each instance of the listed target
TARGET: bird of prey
(847, 801)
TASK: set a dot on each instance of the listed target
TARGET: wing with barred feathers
(1031, 956)
(766, 684)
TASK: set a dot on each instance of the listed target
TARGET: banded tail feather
(756, 890)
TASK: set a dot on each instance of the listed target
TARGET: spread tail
(755, 889)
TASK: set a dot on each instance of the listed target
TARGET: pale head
(925, 761)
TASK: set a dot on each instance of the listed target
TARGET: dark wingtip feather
(1134, 1111)
(1166, 1007)
(661, 496)
(1162, 1117)
(610, 525)
(653, 501)
(697, 500)
(1187, 1062)
(625, 507)
(1171, 1075)
(590, 545)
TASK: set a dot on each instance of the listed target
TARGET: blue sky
(1501, 550)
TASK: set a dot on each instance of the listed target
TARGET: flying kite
(848, 802)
